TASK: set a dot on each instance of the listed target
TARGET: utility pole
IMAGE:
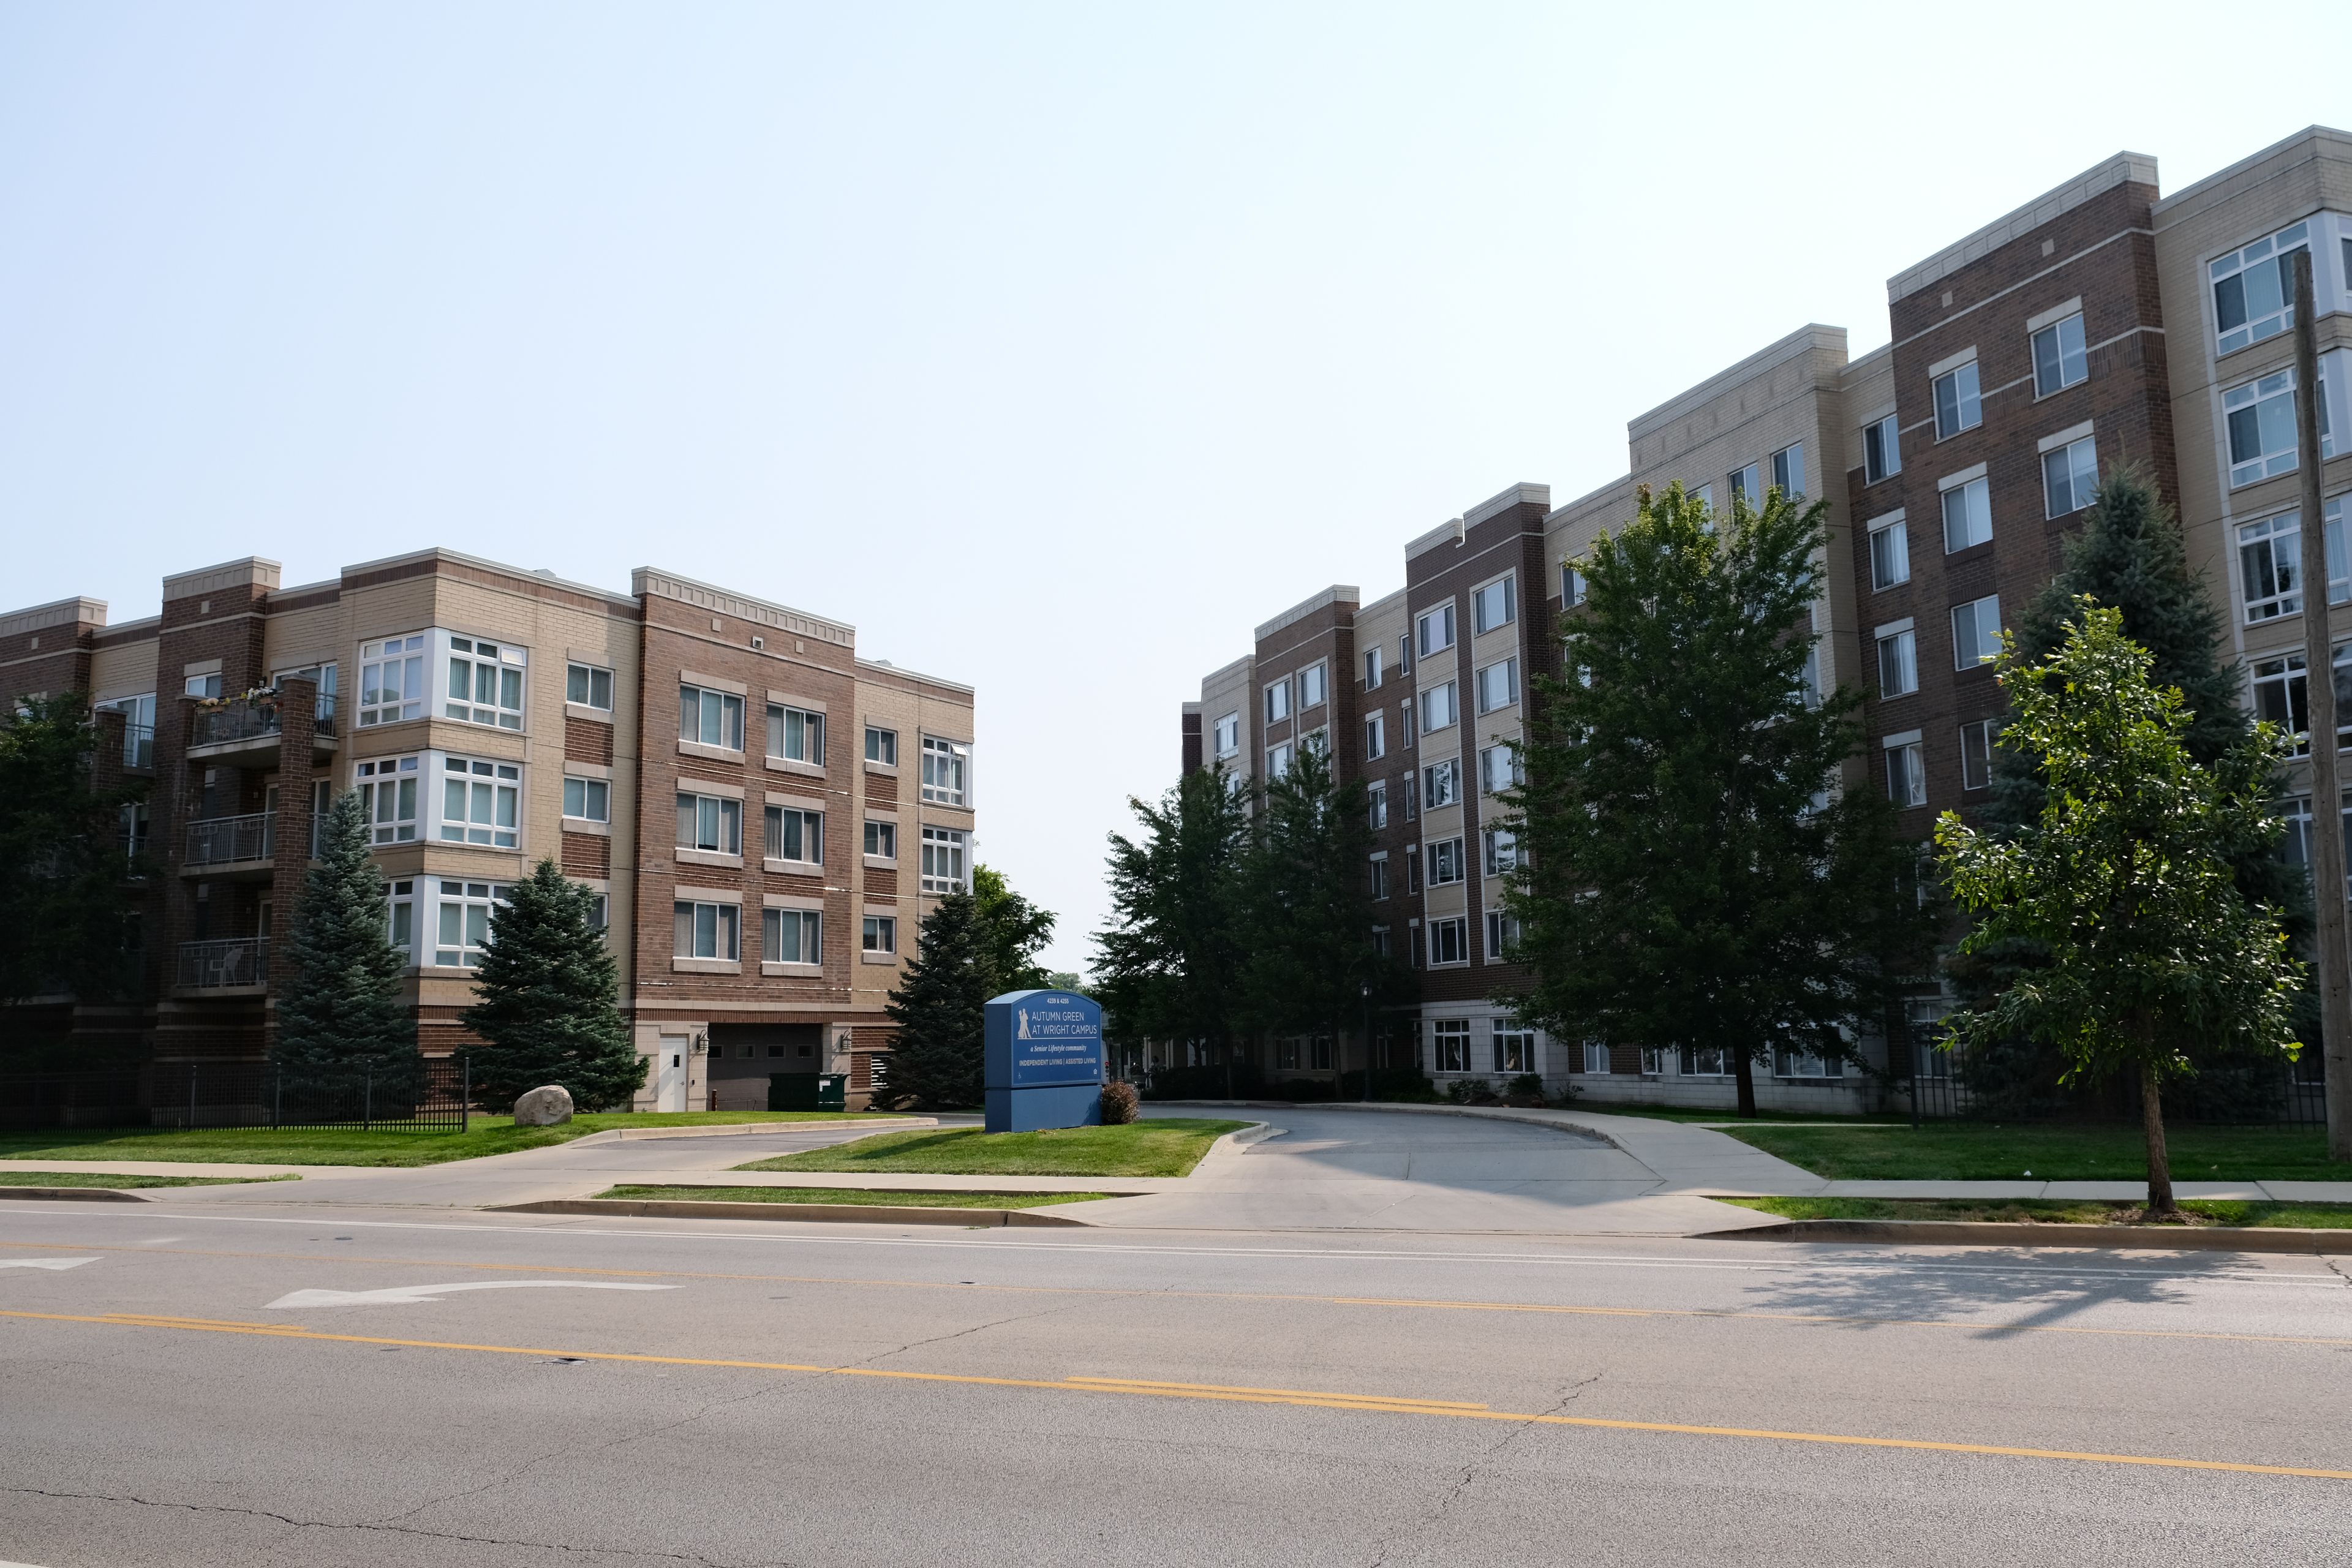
(2319, 684)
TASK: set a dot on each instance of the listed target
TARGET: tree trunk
(2160, 1167)
(1743, 1072)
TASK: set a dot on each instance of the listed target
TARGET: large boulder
(546, 1107)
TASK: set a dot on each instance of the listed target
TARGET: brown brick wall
(587, 855)
(586, 741)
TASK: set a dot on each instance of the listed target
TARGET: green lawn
(9, 1178)
(1977, 1150)
(863, 1196)
(351, 1146)
(2300, 1216)
(1717, 1113)
(1162, 1146)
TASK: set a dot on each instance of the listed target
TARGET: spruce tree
(340, 1007)
(548, 1008)
(65, 921)
(939, 1005)
(1016, 930)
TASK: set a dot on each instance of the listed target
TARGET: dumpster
(808, 1092)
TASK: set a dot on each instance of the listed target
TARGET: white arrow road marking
(43, 1263)
(409, 1295)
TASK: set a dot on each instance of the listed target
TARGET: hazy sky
(1055, 348)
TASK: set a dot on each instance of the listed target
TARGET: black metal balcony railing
(213, 966)
(223, 840)
(253, 718)
(139, 746)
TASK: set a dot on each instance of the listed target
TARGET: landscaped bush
(1298, 1090)
(1204, 1082)
(1404, 1086)
(1118, 1103)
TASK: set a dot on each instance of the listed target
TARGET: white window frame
(2278, 695)
(2262, 317)
(1965, 405)
(881, 746)
(593, 797)
(1881, 459)
(507, 670)
(1500, 848)
(1378, 874)
(1596, 1058)
(2062, 352)
(1277, 700)
(947, 771)
(1376, 800)
(1492, 700)
(721, 815)
(485, 782)
(392, 680)
(1445, 862)
(1572, 585)
(1975, 496)
(1494, 604)
(1277, 761)
(773, 823)
(725, 926)
(464, 913)
(1433, 629)
(1789, 471)
(1227, 735)
(780, 738)
(1449, 1045)
(1746, 484)
(2270, 400)
(1499, 769)
(1314, 686)
(400, 918)
(2270, 564)
(1899, 640)
(2074, 469)
(1446, 702)
(583, 683)
(1976, 754)
(1375, 736)
(1441, 785)
(715, 714)
(1450, 931)
(1372, 669)
(1976, 632)
(878, 933)
(806, 927)
(945, 866)
(881, 839)
(1907, 769)
(1890, 553)
(389, 788)
(1502, 935)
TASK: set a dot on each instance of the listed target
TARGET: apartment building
(763, 815)
(2098, 324)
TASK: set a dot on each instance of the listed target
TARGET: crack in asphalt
(1484, 1461)
(388, 1529)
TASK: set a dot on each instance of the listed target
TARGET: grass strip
(9, 1178)
(871, 1197)
(1162, 1146)
(354, 1146)
(2199, 1212)
(2055, 1152)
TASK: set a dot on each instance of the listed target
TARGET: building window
(882, 840)
(1976, 754)
(1498, 769)
(1310, 687)
(2279, 697)
(588, 685)
(1899, 663)
(1440, 707)
(797, 835)
(1277, 702)
(705, 931)
(1968, 515)
(709, 823)
(1596, 1058)
(795, 735)
(1882, 451)
(1449, 943)
(1571, 585)
(1890, 554)
(1515, 1047)
(387, 787)
(1747, 485)
(791, 936)
(2059, 359)
(1277, 761)
(1958, 405)
(1434, 629)
(1376, 796)
(2253, 289)
(600, 906)
(1441, 783)
(1499, 684)
(400, 918)
(588, 800)
(880, 935)
(2270, 564)
(1445, 866)
(1383, 944)
(1228, 734)
(1379, 875)
(1706, 1061)
(463, 915)
(1502, 851)
(1976, 632)
(1907, 771)
(1375, 738)
(1449, 1045)
(707, 718)
(945, 766)
(2070, 477)
(1705, 496)
(481, 803)
(392, 680)
(1372, 669)
(484, 683)
(2261, 416)
(1789, 471)
(2295, 846)
(1502, 936)
(881, 746)
(943, 860)
(1494, 605)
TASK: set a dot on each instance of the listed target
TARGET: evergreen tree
(1016, 930)
(547, 1001)
(1169, 967)
(340, 1005)
(2130, 555)
(939, 1007)
(2125, 882)
(1693, 875)
(65, 917)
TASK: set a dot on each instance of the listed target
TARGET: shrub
(1408, 1086)
(1203, 1082)
(1118, 1103)
(1299, 1089)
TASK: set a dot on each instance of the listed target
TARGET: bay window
(946, 765)
(387, 787)
(942, 868)
(2270, 564)
(464, 913)
(481, 803)
(2261, 419)
(2253, 289)
(485, 683)
(2282, 697)
(392, 680)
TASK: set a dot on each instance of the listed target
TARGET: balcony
(230, 846)
(241, 963)
(138, 747)
(246, 731)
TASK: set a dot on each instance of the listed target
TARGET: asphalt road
(920, 1396)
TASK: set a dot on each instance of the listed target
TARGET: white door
(669, 1080)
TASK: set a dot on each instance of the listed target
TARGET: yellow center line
(1382, 1404)
(1404, 1302)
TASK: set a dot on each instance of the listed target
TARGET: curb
(1482, 1112)
(843, 1214)
(80, 1194)
(741, 1128)
(2000, 1233)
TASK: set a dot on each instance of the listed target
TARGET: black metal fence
(2249, 1093)
(435, 1095)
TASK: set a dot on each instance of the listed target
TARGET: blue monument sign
(1043, 1061)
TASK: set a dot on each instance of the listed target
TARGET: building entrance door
(669, 1073)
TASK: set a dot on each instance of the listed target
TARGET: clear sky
(1054, 347)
